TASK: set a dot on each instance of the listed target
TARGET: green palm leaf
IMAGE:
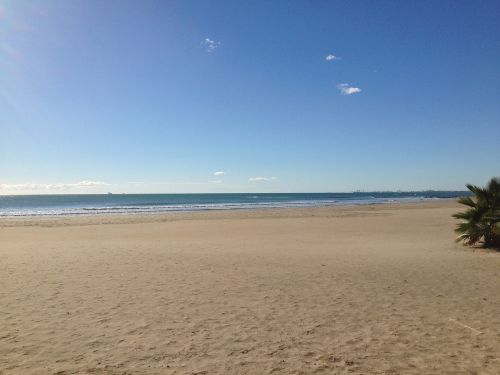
(481, 221)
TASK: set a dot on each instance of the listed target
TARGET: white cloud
(20, 186)
(176, 183)
(211, 45)
(219, 173)
(90, 183)
(331, 57)
(81, 184)
(261, 179)
(347, 89)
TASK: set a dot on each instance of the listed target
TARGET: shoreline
(50, 206)
(235, 213)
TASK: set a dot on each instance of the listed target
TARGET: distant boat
(109, 193)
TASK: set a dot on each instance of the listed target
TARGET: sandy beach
(380, 289)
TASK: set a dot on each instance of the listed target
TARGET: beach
(373, 289)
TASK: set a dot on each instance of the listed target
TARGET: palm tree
(481, 221)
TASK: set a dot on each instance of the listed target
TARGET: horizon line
(281, 192)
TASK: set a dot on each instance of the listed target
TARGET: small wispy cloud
(261, 179)
(90, 183)
(175, 183)
(347, 89)
(21, 186)
(219, 173)
(32, 186)
(331, 57)
(211, 45)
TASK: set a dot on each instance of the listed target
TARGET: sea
(111, 204)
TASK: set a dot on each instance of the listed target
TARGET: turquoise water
(28, 205)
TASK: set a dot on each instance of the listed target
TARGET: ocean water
(106, 204)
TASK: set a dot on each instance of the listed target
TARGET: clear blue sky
(157, 96)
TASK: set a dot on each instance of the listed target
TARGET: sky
(248, 96)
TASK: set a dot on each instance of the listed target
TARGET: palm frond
(481, 221)
(468, 201)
